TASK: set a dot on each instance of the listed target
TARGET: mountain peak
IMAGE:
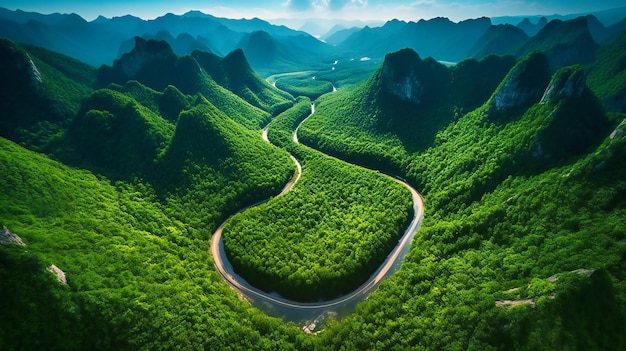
(400, 75)
(569, 82)
(525, 83)
(145, 51)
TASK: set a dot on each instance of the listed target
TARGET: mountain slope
(439, 38)
(607, 76)
(564, 43)
(499, 40)
(133, 262)
(235, 74)
(512, 204)
(154, 64)
(401, 107)
(115, 133)
(39, 94)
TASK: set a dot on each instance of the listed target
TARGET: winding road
(244, 288)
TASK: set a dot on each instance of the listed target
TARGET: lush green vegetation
(509, 205)
(154, 64)
(379, 129)
(37, 99)
(327, 235)
(304, 84)
(607, 76)
(522, 246)
(348, 72)
(235, 74)
(135, 251)
(138, 269)
(167, 104)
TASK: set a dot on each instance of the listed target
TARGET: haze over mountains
(273, 49)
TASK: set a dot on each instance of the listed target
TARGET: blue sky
(344, 9)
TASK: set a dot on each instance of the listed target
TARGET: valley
(299, 312)
(211, 183)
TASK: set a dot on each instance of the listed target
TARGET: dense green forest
(119, 176)
(327, 235)
(524, 220)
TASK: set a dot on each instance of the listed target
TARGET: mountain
(520, 163)
(323, 27)
(183, 44)
(103, 40)
(500, 39)
(522, 87)
(532, 29)
(269, 54)
(608, 17)
(439, 38)
(114, 133)
(405, 102)
(154, 64)
(579, 123)
(493, 186)
(607, 76)
(40, 93)
(338, 36)
(235, 74)
(564, 43)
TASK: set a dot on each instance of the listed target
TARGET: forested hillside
(523, 216)
(115, 178)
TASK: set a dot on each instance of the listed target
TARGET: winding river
(308, 314)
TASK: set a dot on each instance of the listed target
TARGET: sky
(381, 10)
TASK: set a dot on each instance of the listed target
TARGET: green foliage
(39, 94)
(33, 301)
(345, 73)
(607, 75)
(235, 74)
(115, 133)
(522, 246)
(564, 43)
(154, 64)
(379, 130)
(509, 205)
(304, 85)
(167, 104)
(138, 268)
(327, 235)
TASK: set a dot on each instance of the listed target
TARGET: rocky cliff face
(400, 76)
(567, 83)
(577, 122)
(524, 85)
(17, 67)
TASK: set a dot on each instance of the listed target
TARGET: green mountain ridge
(235, 74)
(150, 59)
(510, 191)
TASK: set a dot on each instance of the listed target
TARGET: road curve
(243, 287)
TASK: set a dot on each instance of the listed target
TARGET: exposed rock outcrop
(577, 121)
(524, 85)
(35, 76)
(568, 83)
(7, 237)
(58, 273)
(400, 76)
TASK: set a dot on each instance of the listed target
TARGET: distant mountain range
(273, 48)
(105, 39)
